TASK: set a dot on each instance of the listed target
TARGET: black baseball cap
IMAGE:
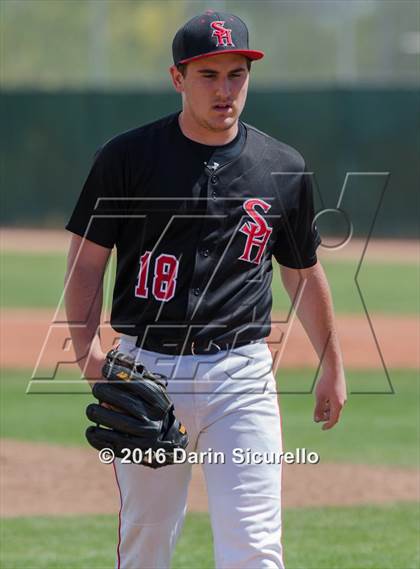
(209, 34)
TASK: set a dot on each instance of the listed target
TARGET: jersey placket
(209, 235)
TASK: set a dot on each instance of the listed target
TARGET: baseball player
(197, 204)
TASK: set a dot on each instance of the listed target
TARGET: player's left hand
(330, 396)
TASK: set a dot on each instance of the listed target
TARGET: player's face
(214, 90)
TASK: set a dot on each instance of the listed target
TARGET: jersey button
(196, 291)
(205, 252)
(214, 179)
(214, 195)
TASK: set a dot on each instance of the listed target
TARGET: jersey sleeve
(95, 215)
(298, 238)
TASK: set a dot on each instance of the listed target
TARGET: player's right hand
(93, 369)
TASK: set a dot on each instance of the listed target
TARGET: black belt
(191, 348)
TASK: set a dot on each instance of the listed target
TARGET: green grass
(89, 542)
(36, 280)
(53, 418)
(317, 538)
(368, 537)
(386, 288)
(375, 429)
(32, 280)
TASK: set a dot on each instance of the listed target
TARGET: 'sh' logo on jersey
(223, 35)
(257, 231)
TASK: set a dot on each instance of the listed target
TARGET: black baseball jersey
(195, 228)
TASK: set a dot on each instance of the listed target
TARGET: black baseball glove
(143, 417)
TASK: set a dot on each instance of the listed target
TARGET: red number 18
(164, 279)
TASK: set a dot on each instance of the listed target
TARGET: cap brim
(249, 53)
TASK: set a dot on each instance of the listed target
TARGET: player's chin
(223, 121)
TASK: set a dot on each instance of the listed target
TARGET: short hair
(182, 67)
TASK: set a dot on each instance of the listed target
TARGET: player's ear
(177, 78)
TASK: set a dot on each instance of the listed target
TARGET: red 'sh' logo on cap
(222, 34)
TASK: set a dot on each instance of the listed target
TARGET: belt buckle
(210, 343)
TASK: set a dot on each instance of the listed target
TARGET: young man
(192, 205)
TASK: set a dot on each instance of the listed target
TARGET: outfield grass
(36, 280)
(31, 280)
(386, 288)
(375, 429)
(318, 538)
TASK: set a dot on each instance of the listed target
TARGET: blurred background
(340, 82)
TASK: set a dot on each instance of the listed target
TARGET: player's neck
(198, 133)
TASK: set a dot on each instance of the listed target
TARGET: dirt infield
(378, 250)
(24, 331)
(63, 475)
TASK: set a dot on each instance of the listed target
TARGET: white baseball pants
(226, 401)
